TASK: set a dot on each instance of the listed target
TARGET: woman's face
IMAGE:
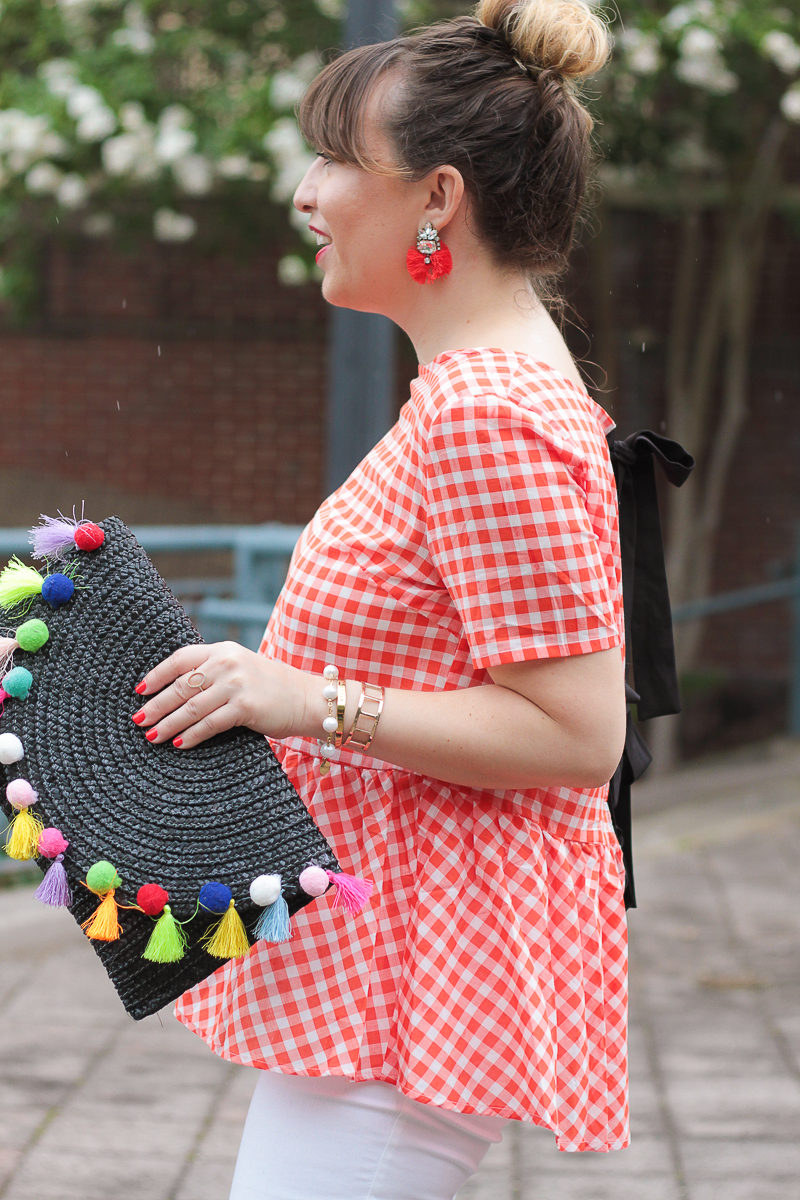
(365, 224)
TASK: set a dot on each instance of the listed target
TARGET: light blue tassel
(273, 925)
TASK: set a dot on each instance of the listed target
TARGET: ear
(445, 191)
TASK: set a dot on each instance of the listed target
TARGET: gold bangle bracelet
(368, 713)
(341, 704)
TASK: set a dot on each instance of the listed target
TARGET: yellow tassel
(228, 938)
(103, 925)
(22, 835)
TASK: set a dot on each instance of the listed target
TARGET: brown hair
(491, 95)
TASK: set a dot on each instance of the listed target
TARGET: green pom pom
(32, 635)
(17, 682)
(167, 942)
(102, 877)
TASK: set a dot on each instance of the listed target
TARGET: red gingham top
(488, 973)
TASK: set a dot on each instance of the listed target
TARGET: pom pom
(32, 635)
(215, 897)
(168, 941)
(17, 683)
(152, 899)
(102, 877)
(227, 938)
(352, 893)
(103, 925)
(314, 881)
(265, 890)
(57, 589)
(22, 835)
(274, 925)
(51, 842)
(19, 792)
(54, 888)
(89, 536)
(18, 583)
(11, 748)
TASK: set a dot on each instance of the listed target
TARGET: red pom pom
(89, 536)
(441, 263)
(152, 898)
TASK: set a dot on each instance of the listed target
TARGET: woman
(464, 587)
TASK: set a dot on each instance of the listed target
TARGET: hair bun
(563, 35)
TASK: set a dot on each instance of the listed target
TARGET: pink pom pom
(52, 842)
(20, 794)
(314, 881)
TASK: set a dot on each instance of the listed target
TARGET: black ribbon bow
(650, 650)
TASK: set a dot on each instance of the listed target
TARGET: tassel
(22, 835)
(228, 937)
(57, 535)
(274, 925)
(103, 925)
(54, 888)
(168, 941)
(424, 268)
(352, 893)
(18, 583)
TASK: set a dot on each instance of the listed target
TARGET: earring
(430, 259)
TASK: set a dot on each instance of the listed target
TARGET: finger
(178, 696)
(183, 661)
(218, 721)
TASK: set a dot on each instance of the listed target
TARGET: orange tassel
(103, 925)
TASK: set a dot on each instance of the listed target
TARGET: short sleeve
(519, 540)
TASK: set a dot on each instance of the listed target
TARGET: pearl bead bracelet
(335, 693)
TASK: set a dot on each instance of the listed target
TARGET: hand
(203, 690)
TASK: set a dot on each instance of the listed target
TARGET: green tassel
(18, 583)
(168, 941)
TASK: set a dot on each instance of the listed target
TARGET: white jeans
(330, 1139)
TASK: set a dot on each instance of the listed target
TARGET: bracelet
(368, 713)
(335, 692)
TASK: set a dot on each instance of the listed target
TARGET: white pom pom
(11, 749)
(314, 881)
(265, 890)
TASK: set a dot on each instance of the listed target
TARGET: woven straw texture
(222, 811)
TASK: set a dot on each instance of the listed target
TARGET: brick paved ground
(93, 1104)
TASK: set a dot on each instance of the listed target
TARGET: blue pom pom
(57, 589)
(215, 897)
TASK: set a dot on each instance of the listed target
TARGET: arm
(545, 722)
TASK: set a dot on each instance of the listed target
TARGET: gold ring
(201, 680)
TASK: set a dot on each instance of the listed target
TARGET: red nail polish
(138, 717)
(140, 688)
(178, 741)
(151, 735)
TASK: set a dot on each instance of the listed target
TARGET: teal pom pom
(17, 682)
(274, 925)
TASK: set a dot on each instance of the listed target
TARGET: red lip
(320, 252)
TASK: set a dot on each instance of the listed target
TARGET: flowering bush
(118, 116)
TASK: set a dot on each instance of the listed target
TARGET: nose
(305, 196)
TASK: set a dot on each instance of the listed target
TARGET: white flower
(290, 156)
(95, 125)
(682, 14)
(58, 75)
(234, 166)
(194, 174)
(641, 51)
(169, 226)
(783, 50)
(175, 115)
(73, 191)
(43, 179)
(790, 104)
(172, 143)
(25, 138)
(331, 8)
(98, 225)
(130, 154)
(699, 43)
(83, 99)
(131, 116)
(701, 64)
(286, 89)
(292, 271)
(136, 33)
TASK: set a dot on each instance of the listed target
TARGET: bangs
(332, 111)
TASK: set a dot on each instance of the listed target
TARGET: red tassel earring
(430, 259)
